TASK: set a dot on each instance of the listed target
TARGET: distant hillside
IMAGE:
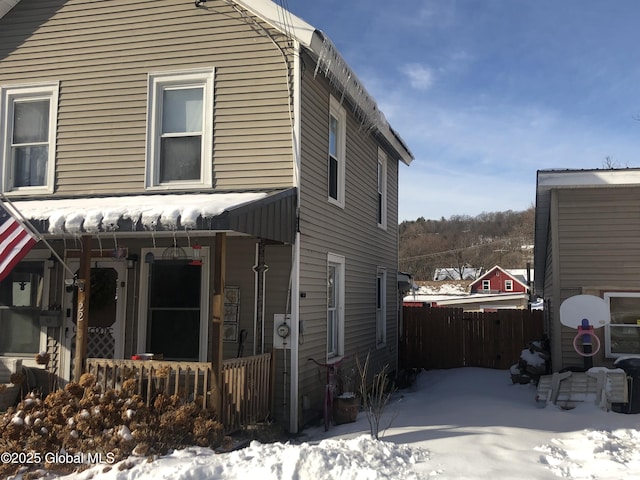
(497, 238)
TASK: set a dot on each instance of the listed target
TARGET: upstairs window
(337, 148)
(508, 285)
(180, 129)
(382, 190)
(28, 121)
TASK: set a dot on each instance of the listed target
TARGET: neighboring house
(466, 294)
(587, 230)
(173, 149)
(498, 280)
(451, 273)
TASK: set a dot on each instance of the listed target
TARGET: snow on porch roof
(254, 213)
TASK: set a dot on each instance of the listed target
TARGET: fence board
(436, 338)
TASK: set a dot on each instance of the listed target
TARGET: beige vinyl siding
(590, 253)
(598, 249)
(351, 232)
(102, 52)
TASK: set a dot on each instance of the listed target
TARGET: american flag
(15, 242)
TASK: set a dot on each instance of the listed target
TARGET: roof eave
(317, 43)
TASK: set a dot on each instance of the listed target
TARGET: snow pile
(465, 423)
(360, 458)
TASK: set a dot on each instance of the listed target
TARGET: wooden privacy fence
(246, 383)
(434, 338)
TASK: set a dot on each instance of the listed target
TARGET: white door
(106, 313)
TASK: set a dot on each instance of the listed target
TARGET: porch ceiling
(269, 215)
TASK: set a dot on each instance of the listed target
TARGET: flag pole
(33, 230)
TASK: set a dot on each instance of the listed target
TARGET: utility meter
(283, 330)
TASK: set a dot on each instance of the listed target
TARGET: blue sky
(487, 92)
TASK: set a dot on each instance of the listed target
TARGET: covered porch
(184, 277)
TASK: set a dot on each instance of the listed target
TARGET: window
(180, 129)
(174, 306)
(381, 307)
(508, 285)
(337, 148)
(622, 335)
(335, 305)
(28, 121)
(486, 284)
(21, 302)
(382, 190)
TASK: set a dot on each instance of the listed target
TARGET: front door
(106, 313)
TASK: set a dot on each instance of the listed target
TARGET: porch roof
(269, 215)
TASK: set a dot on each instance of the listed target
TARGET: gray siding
(351, 232)
(101, 53)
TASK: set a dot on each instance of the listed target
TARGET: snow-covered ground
(467, 423)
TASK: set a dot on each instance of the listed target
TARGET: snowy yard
(465, 423)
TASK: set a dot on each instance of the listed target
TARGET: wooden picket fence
(435, 337)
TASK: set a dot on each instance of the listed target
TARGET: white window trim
(508, 285)
(157, 81)
(339, 113)
(607, 327)
(339, 262)
(487, 283)
(8, 95)
(381, 314)
(204, 299)
(382, 171)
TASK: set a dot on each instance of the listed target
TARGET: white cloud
(420, 76)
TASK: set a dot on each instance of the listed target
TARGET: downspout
(295, 267)
(260, 270)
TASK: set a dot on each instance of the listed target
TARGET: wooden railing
(190, 381)
(247, 387)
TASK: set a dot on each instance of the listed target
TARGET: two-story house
(215, 172)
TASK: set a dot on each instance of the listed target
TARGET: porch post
(82, 316)
(220, 258)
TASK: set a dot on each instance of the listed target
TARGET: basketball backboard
(574, 309)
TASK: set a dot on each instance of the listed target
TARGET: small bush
(375, 396)
(82, 419)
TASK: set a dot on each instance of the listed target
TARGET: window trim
(339, 262)
(486, 284)
(8, 96)
(337, 111)
(143, 300)
(381, 307)
(157, 82)
(381, 195)
(28, 360)
(508, 285)
(607, 330)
